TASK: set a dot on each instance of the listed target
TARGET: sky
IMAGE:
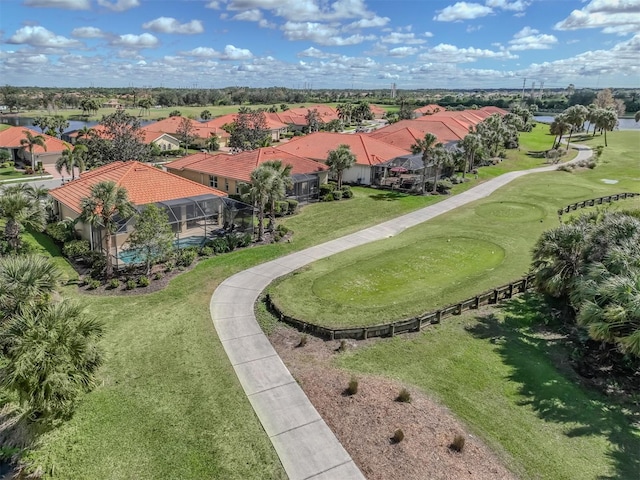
(363, 44)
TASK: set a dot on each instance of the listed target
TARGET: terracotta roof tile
(144, 184)
(10, 138)
(368, 150)
(218, 122)
(240, 165)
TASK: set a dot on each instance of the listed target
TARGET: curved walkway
(307, 448)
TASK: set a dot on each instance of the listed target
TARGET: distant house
(296, 118)
(113, 103)
(163, 141)
(367, 150)
(428, 110)
(275, 127)
(227, 172)
(195, 211)
(405, 133)
(201, 131)
(10, 140)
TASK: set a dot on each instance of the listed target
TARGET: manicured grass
(494, 372)
(415, 272)
(10, 173)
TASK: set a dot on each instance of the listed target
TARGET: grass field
(453, 257)
(495, 373)
(168, 404)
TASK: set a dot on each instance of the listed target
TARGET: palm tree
(25, 280)
(425, 147)
(103, 209)
(441, 158)
(637, 117)
(20, 211)
(607, 120)
(559, 127)
(31, 141)
(280, 183)
(257, 192)
(72, 158)
(84, 133)
(51, 355)
(471, 146)
(345, 111)
(339, 160)
(576, 115)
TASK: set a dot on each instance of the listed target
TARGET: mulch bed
(365, 422)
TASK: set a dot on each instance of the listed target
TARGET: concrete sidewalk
(307, 448)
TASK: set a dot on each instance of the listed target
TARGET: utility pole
(533, 87)
(541, 87)
(524, 82)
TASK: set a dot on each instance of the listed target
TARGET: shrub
(244, 240)
(169, 265)
(143, 281)
(157, 276)
(218, 245)
(280, 232)
(93, 284)
(347, 192)
(352, 389)
(398, 436)
(206, 252)
(404, 396)
(458, 443)
(114, 283)
(337, 194)
(565, 168)
(131, 284)
(292, 206)
(6, 164)
(185, 257)
(343, 346)
(282, 208)
(59, 232)
(304, 338)
(233, 241)
(326, 188)
(327, 198)
(76, 248)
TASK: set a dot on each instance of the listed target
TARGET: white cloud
(171, 25)
(253, 15)
(403, 51)
(214, 4)
(307, 10)
(613, 16)
(146, 40)
(38, 36)
(87, 32)
(119, 5)
(406, 38)
(516, 6)
(234, 53)
(369, 22)
(462, 11)
(313, 52)
(531, 39)
(320, 33)
(445, 53)
(64, 4)
(202, 52)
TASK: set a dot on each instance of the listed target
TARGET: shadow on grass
(554, 397)
(388, 196)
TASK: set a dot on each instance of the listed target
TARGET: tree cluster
(249, 130)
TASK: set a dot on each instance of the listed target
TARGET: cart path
(307, 448)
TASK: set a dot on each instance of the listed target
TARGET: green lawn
(494, 372)
(453, 257)
(10, 173)
(168, 404)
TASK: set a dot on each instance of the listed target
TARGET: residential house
(368, 151)
(195, 211)
(275, 127)
(296, 118)
(428, 110)
(201, 131)
(228, 172)
(11, 137)
(405, 133)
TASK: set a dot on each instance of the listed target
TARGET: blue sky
(320, 43)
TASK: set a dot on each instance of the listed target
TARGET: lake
(623, 123)
(73, 124)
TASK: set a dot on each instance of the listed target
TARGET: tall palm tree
(25, 280)
(471, 146)
(72, 158)
(20, 211)
(559, 127)
(103, 209)
(31, 141)
(607, 120)
(345, 112)
(257, 192)
(52, 355)
(425, 147)
(280, 183)
(441, 158)
(576, 115)
(339, 160)
(85, 133)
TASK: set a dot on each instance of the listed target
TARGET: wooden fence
(596, 201)
(414, 324)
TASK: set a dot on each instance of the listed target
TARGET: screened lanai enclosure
(193, 221)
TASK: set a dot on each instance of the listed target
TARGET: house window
(237, 189)
(213, 181)
(226, 185)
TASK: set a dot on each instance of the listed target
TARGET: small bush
(219, 245)
(59, 232)
(114, 283)
(282, 208)
(144, 281)
(244, 240)
(337, 194)
(347, 192)
(352, 389)
(158, 276)
(343, 346)
(93, 284)
(304, 338)
(169, 266)
(131, 284)
(292, 206)
(398, 436)
(185, 257)
(458, 443)
(76, 248)
(327, 198)
(206, 252)
(404, 396)
(565, 168)
(326, 188)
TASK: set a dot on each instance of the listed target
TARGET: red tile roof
(298, 115)
(429, 109)
(368, 150)
(144, 184)
(10, 138)
(404, 133)
(240, 165)
(171, 126)
(151, 136)
(218, 122)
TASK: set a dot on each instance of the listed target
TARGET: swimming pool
(132, 256)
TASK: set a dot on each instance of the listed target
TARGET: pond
(623, 123)
(73, 124)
